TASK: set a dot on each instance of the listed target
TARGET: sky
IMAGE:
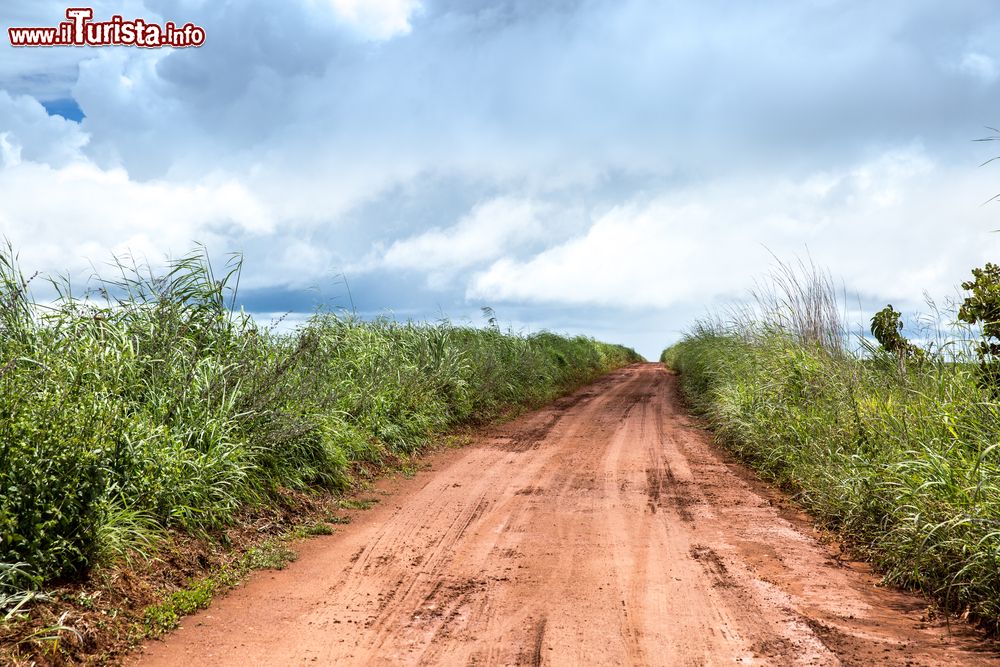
(611, 168)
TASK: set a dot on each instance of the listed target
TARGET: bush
(887, 328)
(982, 308)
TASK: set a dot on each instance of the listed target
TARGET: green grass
(150, 402)
(354, 504)
(272, 554)
(904, 463)
(313, 529)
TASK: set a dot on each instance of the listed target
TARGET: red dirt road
(604, 529)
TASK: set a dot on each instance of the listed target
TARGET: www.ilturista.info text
(81, 30)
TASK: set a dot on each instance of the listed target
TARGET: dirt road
(605, 529)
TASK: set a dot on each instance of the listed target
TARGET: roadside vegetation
(151, 403)
(895, 446)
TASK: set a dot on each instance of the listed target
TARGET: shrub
(982, 308)
(887, 329)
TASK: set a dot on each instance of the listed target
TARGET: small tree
(982, 308)
(887, 329)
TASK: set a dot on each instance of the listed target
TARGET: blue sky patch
(66, 107)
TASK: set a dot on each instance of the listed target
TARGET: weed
(16, 583)
(164, 617)
(336, 519)
(272, 555)
(358, 504)
(312, 530)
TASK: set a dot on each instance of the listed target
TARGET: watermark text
(81, 30)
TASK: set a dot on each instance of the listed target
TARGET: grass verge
(901, 460)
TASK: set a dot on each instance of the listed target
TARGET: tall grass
(150, 401)
(905, 463)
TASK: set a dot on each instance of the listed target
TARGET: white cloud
(10, 152)
(61, 217)
(489, 230)
(377, 19)
(885, 226)
(29, 133)
(980, 66)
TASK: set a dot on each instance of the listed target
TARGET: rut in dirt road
(603, 529)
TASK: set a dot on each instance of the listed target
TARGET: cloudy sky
(608, 167)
